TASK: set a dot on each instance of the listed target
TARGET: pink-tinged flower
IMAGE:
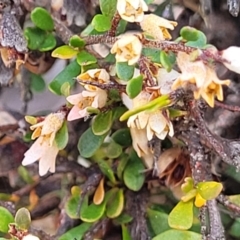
(207, 83)
(100, 76)
(128, 49)
(157, 26)
(132, 10)
(83, 100)
(44, 149)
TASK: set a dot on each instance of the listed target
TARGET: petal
(48, 159)
(74, 113)
(34, 153)
(75, 99)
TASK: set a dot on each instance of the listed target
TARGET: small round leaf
(64, 52)
(23, 219)
(209, 190)
(42, 19)
(6, 218)
(134, 86)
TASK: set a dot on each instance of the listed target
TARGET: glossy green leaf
(152, 54)
(181, 217)
(112, 149)
(189, 33)
(121, 27)
(93, 212)
(23, 219)
(107, 170)
(84, 58)
(89, 143)
(101, 23)
(115, 207)
(235, 199)
(122, 137)
(49, 43)
(178, 235)
(61, 138)
(133, 175)
(189, 195)
(209, 190)
(35, 37)
(71, 207)
(125, 233)
(42, 19)
(134, 86)
(76, 233)
(118, 112)
(158, 221)
(76, 42)
(102, 123)
(108, 7)
(37, 83)
(25, 175)
(6, 218)
(167, 60)
(124, 71)
(64, 52)
(188, 185)
(67, 75)
(123, 160)
(124, 218)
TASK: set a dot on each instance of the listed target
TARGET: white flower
(83, 100)
(44, 149)
(128, 49)
(155, 123)
(132, 10)
(232, 55)
(30, 237)
(157, 26)
(208, 85)
(98, 75)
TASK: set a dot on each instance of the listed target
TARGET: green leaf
(121, 27)
(67, 75)
(102, 123)
(123, 160)
(167, 60)
(64, 52)
(37, 83)
(112, 149)
(134, 86)
(234, 230)
(194, 37)
(188, 185)
(61, 138)
(42, 19)
(178, 235)
(6, 218)
(209, 190)
(84, 58)
(89, 143)
(35, 37)
(107, 170)
(115, 207)
(122, 137)
(189, 33)
(152, 54)
(71, 206)
(49, 43)
(181, 217)
(108, 7)
(118, 112)
(125, 233)
(124, 71)
(25, 175)
(93, 212)
(76, 42)
(23, 219)
(124, 218)
(133, 175)
(101, 23)
(76, 233)
(158, 221)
